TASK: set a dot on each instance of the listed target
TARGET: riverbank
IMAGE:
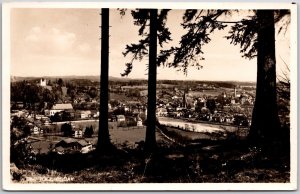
(191, 129)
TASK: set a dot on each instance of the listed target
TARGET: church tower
(43, 82)
(184, 102)
(234, 92)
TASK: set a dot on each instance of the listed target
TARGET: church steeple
(184, 100)
(43, 82)
(234, 91)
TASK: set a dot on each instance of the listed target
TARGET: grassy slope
(225, 162)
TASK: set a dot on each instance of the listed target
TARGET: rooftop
(62, 106)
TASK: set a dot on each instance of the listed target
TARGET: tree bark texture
(150, 142)
(103, 134)
(265, 120)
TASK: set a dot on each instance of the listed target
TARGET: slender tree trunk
(103, 134)
(265, 121)
(150, 142)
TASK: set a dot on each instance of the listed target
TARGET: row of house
(67, 107)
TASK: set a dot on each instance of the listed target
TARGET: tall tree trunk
(150, 142)
(265, 121)
(103, 134)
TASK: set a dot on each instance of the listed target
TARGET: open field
(119, 136)
(130, 135)
(122, 97)
(79, 124)
(205, 93)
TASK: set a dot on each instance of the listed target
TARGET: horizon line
(57, 76)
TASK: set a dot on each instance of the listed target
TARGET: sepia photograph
(149, 96)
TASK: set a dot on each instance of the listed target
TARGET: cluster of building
(223, 107)
(231, 107)
(235, 108)
(71, 145)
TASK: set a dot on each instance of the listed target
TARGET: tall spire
(234, 91)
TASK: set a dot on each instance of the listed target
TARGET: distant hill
(96, 78)
(71, 77)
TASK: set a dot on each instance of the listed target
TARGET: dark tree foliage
(141, 49)
(284, 84)
(199, 25)
(72, 87)
(66, 128)
(17, 91)
(199, 106)
(48, 97)
(57, 117)
(211, 105)
(66, 116)
(244, 33)
(49, 83)
(20, 123)
(19, 149)
(89, 131)
(255, 36)
(57, 91)
(93, 92)
(60, 82)
(119, 111)
(31, 95)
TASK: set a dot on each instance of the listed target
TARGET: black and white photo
(122, 96)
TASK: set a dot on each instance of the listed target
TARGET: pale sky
(58, 42)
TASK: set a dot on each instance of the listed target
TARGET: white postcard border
(8, 185)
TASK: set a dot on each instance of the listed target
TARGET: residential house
(229, 119)
(18, 113)
(86, 114)
(218, 118)
(19, 105)
(36, 130)
(95, 113)
(78, 133)
(139, 123)
(174, 97)
(61, 107)
(121, 118)
(47, 123)
(161, 112)
(69, 145)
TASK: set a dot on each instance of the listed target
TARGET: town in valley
(62, 114)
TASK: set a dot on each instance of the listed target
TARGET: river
(195, 127)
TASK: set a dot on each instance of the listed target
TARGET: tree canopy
(141, 49)
(200, 24)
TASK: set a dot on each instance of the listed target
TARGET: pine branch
(139, 50)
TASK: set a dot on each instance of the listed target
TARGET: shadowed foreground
(212, 161)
